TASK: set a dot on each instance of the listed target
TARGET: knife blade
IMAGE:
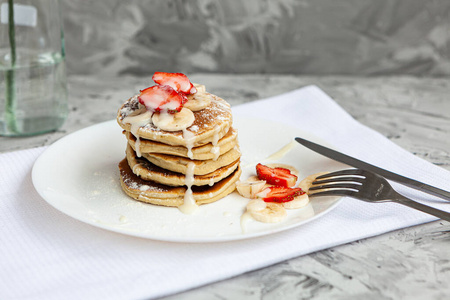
(335, 155)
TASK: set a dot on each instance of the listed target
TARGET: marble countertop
(412, 263)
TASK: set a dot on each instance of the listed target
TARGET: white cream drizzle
(189, 205)
(283, 151)
(135, 167)
(136, 122)
(189, 137)
(137, 145)
(215, 148)
(245, 219)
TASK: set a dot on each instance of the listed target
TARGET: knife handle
(424, 208)
(423, 187)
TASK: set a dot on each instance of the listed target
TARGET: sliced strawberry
(276, 176)
(161, 98)
(185, 98)
(178, 81)
(279, 194)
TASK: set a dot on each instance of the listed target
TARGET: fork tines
(345, 182)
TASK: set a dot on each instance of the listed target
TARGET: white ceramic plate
(78, 175)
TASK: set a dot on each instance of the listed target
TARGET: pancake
(204, 152)
(159, 194)
(181, 148)
(180, 164)
(148, 171)
(210, 124)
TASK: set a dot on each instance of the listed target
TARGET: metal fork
(366, 186)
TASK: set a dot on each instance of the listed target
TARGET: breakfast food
(181, 148)
(276, 176)
(272, 191)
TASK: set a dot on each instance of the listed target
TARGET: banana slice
(254, 178)
(200, 88)
(250, 188)
(298, 202)
(198, 101)
(256, 205)
(174, 122)
(306, 183)
(266, 212)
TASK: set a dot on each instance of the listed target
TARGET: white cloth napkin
(45, 254)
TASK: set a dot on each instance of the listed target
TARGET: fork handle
(424, 208)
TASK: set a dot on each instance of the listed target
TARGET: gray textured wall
(364, 37)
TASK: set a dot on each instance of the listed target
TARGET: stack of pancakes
(182, 168)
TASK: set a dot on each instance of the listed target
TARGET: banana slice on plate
(306, 183)
(174, 122)
(250, 187)
(255, 178)
(198, 101)
(297, 202)
(266, 212)
(302, 200)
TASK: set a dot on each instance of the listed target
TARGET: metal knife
(335, 155)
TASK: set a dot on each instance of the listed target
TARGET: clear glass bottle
(33, 88)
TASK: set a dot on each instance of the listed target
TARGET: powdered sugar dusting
(135, 183)
(129, 107)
